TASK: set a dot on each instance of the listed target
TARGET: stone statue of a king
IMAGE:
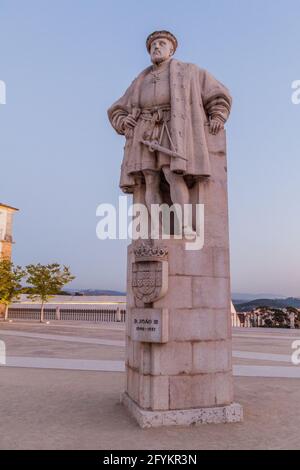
(178, 314)
(163, 116)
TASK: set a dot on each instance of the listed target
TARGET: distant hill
(95, 292)
(242, 297)
(275, 303)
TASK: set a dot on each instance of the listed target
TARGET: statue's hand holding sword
(130, 122)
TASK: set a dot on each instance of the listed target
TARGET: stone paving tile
(43, 408)
(53, 409)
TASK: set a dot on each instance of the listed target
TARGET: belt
(156, 114)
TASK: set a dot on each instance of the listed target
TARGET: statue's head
(161, 45)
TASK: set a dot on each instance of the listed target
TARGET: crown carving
(146, 252)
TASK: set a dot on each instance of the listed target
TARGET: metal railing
(96, 315)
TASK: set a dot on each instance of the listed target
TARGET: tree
(45, 281)
(10, 283)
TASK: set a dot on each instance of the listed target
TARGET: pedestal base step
(152, 419)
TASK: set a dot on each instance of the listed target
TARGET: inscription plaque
(149, 325)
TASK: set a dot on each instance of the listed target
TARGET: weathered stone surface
(202, 390)
(224, 388)
(211, 356)
(160, 393)
(133, 383)
(213, 415)
(211, 292)
(223, 324)
(221, 267)
(145, 391)
(180, 392)
(171, 359)
(145, 358)
(189, 263)
(201, 324)
(129, 296)
(129, 352)
(179, 294)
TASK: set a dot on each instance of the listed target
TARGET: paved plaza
(61, 385)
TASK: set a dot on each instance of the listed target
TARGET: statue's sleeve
(215, 96)
(120, 109)
(117, 119)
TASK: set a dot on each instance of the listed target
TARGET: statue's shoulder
(188, 67)
(137, 80)
(142, 74)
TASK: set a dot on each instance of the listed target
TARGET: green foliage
(45, 281)
(10, 282)
(276, 317)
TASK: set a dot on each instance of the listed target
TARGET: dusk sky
(64, 62)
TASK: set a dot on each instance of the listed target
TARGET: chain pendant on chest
(155, 78)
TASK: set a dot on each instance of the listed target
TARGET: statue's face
(161, 49)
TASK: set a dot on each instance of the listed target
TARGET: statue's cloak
(196, 96)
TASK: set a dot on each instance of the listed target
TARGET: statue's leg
(179, 195)
(178, 188)
(152, 195)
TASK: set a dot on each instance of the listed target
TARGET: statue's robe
(196, 97)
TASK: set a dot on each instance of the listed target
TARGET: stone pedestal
(178, 346)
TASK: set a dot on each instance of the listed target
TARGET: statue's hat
(161, 34)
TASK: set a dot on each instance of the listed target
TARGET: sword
(154, 146)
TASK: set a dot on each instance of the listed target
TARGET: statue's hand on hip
(215, 126)
(129, 122)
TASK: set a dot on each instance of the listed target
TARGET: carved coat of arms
(150, 273)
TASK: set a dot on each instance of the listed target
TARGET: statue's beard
(158, 59)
